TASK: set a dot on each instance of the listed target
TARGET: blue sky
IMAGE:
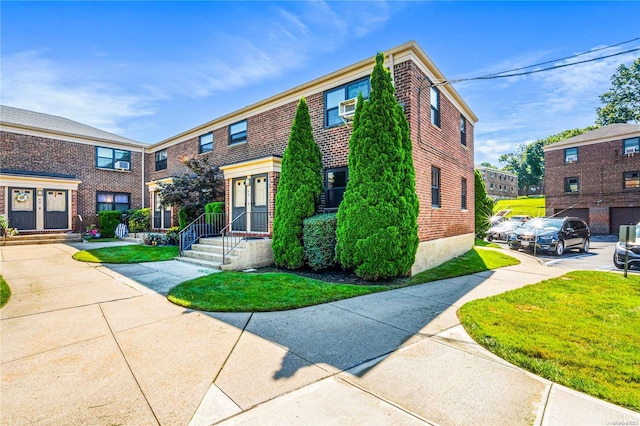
(150, 70)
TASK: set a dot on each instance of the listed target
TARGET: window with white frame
(570, 155)
(161, 160)
(631, 146)
(205, 143)
(238, 132)
(435, 106)
(111, 158)
(333, 97)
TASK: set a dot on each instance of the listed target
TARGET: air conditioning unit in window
(630, 150)
(347, 109)
(121, 165)
(571, 158)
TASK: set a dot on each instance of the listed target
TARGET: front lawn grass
(277, 291)
(476, 260)
(5, 292)
(580, 330)
(532, 206)
(482, 243)
(128, 254)
(102, 240)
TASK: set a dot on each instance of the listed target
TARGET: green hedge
(188, 213)
(215, 207)
(319, 239)
(109, 220)
(140, 220)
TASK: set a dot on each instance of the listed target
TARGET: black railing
(232, 235)
(206, 225)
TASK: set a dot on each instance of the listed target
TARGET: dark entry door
(22, 208)
(239, 204)
(259, 203)
(56, 212)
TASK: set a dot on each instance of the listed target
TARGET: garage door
(623, 216)
(581, 213)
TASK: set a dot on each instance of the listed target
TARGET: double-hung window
(336, 180)
(570, 155)
(571, 185)
(435, 187)
(113, 201)
(463, 192)
(631, 146)
(463, 130)
(631, 180)
(238, 132)
(110, 158)
(161, 160)
(205, 143)
(435, 106)
(333, 97)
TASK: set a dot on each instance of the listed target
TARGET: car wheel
(559, 248)
(585, 246)
(615, 262)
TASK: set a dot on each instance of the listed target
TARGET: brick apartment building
(248, 145)
(596, 176)
(57, 173)
(500, 184)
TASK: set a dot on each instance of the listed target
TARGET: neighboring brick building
(248, 145)
(596, 176)
(57, 172)
(500, 184)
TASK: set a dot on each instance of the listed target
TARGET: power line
(512, 74)
(567, 57)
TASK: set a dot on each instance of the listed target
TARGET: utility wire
(503, 75)
(566, 57)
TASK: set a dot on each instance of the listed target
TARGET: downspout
(143, 173)
(391, 68)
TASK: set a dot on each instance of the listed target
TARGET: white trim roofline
(609, 133)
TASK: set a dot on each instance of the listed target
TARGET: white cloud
(107, 94)
(31, 82)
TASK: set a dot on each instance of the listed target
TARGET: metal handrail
(205, 225)
(232, 240)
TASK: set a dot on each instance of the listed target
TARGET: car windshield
(539, 224)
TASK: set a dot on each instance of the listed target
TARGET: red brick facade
(601, 197)
(38, 154)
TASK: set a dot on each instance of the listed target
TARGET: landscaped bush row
(109, 220)
(319, 240)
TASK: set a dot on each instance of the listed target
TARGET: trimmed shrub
(188, 213)
(377, 229)
(483, 206)
(140, 220)
(299, 190)
(109, 220)
(215, 207)
(319, 237)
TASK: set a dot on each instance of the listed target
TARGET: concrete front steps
(19, 240)
(249, 253)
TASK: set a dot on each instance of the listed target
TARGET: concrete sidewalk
(90, 344)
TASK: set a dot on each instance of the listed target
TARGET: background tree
(377, 219)
(299, 190)
(204, 184)
(484, 206)
(622, 101)
(528, 159)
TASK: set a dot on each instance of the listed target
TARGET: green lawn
(275, 291)
(534, 206)
(483, 243)
(102, 240)
(128, 254)
(580, 330)
(5, 292)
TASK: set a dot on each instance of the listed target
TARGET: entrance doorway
(22, 208)
(56, 212)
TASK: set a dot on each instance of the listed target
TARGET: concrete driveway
(86, 344)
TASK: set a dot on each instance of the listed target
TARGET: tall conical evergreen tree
(299, 190)
(377, 219)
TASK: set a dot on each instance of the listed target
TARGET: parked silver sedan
(502, 230)
(631, 249)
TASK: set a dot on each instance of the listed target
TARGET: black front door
(239, 194)
(22, 208)
(56, 212)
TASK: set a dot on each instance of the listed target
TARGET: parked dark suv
(552, 234)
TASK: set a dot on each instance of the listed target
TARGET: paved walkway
(89, 344)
